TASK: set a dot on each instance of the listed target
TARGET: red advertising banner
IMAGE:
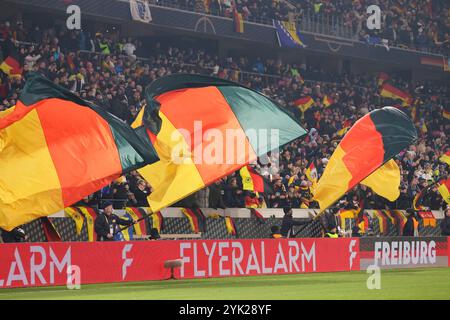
(47, 264)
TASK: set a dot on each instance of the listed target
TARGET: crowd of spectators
(415, 24)
(104, 68)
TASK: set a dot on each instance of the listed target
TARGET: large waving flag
(56, 148)
(288, 35)
(371, 142)
(198, 113)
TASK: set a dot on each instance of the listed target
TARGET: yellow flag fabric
(333, 181)
(445, 158)
(137, 227)
(76, 217)
(247, 181)
(444, 191)
(385, 181)
(167, 178)
(89, 221)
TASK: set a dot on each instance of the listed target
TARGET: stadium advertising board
(46, 264)
(406, 252)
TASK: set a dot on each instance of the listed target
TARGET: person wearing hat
(445, 224)
(107, 223)
(288, 223)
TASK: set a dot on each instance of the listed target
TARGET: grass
(395, 284)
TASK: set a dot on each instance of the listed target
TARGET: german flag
(231, 227)
(304, 103)
(137, 214)
(343, 131)
(158, 221)
(389, 91)
(372, 141)
(416, 200)
(193, 104)
(446, 114)
(445, 158)
(401, 219)
(55, 149)
(257, 215)
(51, 234)
(328, 101)
(432, 61)
(382, 222)
(12, 65)
(382, 78)
(311, 172)
(76, 216)
(252, 181)
(389, 215)
(444, 190)
(192, 218)
(89, 215)
(238, 22)
(126, 233)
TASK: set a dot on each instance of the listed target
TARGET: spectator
(445, 224)
(288, 223)
(216, 193)
(107, 223)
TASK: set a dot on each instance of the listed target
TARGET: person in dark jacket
(234, 197)
(15, 235)
(140, 194)
(445, 224)
(107, 223)
(412, 223)
(288, 223)
(216, 193)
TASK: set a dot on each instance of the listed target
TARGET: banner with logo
(404, 252)
(49, 264)
(140, 11)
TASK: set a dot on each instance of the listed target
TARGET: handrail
(316, 23)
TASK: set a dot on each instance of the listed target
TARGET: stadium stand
(109, 67)
(420, 25)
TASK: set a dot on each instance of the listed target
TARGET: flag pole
(137, 221)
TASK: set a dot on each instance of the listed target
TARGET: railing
(307, 20)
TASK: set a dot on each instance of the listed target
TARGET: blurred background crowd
(113, 72)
